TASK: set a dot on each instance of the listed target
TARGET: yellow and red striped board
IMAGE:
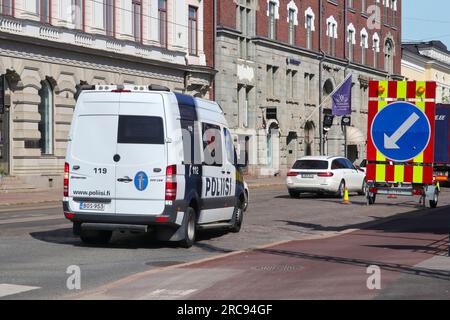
(420, 169)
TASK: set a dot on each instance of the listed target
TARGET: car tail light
(162, 219)
(292, 174)
(66, 179)
(325, 174)
(171, 183)
(417, 192)
(69, 215)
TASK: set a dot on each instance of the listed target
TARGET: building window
(291, 80)
(291, 26)
(350, 4)
(7, 7)
(385, 11)
(272, 20)
(376, 49)
(244, 20)
(309, 88)
(309, 28)
(351, 35)
(46, 122)
(394, 12)
(364, 46)
(193, 30)
(44, 9)
(162, 16)
(137, 20)
(243, 94)
(331, 37)
(389, 57)
(271, 80)
(363, 49)
(78, 14)
(109, 17)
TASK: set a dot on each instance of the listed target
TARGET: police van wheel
(95, 236)
(238, 217)
(189, 227)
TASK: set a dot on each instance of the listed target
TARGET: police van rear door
(91, 151)
(140, 173)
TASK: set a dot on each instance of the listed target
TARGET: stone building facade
(49, 48)
(278, 59)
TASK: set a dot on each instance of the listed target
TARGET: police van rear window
(140, 130)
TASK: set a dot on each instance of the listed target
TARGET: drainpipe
(321, 137)
(214, 47)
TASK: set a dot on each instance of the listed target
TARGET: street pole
(321, 135)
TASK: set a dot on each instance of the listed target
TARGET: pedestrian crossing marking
(11, 289)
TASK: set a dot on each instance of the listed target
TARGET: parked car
(363, 166)
(325, 175)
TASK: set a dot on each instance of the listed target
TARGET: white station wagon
(325, 175)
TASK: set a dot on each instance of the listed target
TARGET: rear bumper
(312, 188)
(173, 219)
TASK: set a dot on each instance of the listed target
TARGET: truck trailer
(442, 144)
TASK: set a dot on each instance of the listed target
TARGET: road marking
(167, 294)
(11, 289)
(391, 142)
(31, 219)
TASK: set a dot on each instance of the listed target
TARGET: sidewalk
(50, 196)
(54, 196)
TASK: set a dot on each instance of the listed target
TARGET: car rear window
(140, 130)
(310, 165)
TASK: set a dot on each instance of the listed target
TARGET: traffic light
(327, 123)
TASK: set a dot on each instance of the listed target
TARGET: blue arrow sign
(401, 131)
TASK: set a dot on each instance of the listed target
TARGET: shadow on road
(404, 269)
(436, 221)
(127, 240)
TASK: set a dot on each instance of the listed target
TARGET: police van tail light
(171, 183)
(66, 179)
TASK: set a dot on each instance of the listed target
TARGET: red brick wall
(227, 17)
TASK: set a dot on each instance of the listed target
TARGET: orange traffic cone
(346, 197)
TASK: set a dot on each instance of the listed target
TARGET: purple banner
(342, 99)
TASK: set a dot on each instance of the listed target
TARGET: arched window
(389, 56)
(46, 123)
(309, 138)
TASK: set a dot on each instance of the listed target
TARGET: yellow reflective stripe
(399, 170)
(399, 174)
(401, 89)
(418, 170)
(381, 168)
(384, 84)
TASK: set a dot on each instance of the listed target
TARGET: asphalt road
(37, 246)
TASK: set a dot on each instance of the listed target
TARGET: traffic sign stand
(400, 140)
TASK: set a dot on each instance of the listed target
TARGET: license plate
(307, 176)
(92, 206)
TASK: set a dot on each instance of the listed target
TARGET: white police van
(144, 159)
